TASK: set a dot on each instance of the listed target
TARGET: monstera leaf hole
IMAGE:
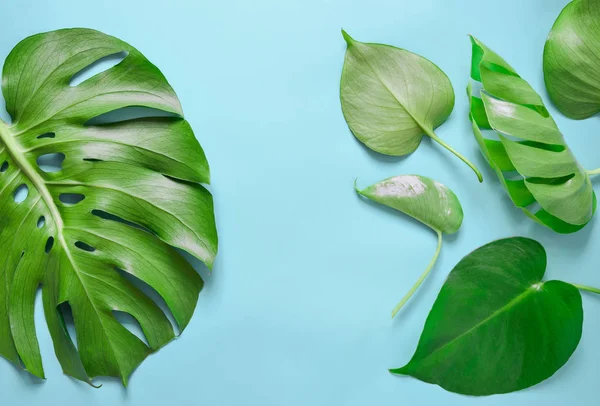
(71, 198)
(101, 184)
(52, 162)
(131, 324)
(21, 193)
(107, 216)
(49, 244)
(65, 312)
(151, 293)
(97, 67)
(128, 113)
(83, 246)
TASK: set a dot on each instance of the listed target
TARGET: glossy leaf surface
(572, 60)
(526, 148)
(495, 326)
(127, 193)
(391, 98)
(425, 200)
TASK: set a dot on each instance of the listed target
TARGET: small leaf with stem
(391, 98)
(425, 200)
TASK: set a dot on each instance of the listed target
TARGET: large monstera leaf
(127, 195)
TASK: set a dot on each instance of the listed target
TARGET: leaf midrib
(427, 130)
(17, 155)
(513, 302)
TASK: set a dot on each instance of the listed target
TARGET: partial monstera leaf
(572, 60)
(496, 325)
(525, 147)
(425, 200)
(127, 195)
(391, 98)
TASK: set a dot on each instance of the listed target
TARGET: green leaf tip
(398, 371)
(349, 40)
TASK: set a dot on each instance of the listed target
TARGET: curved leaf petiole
(421, 279)
(594, 172)
(437, 139)
(587, 288)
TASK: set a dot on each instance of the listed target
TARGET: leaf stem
(455, 152)
(594, 172)
(587, 288)
(421, 279)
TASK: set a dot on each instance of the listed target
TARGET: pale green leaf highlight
(496, 326)
(139, 196)
(525, 147)
(572, 60)
(391, 98)
(425, 200)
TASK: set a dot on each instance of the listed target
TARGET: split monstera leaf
(425, 200)
(525, 147)
(127, 195)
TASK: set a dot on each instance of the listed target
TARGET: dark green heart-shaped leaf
(572, 60)
(391, 98)
(126, 194)
(495, 326)
(425, 200)
(526, 148)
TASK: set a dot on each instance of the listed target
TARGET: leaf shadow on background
(575, 243)
(126, 114)
(205, 273)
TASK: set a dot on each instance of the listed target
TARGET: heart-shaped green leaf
(127, 193)
(425, 200)
(391, 98)
(495, 326)
(572, 60)
(526, 148)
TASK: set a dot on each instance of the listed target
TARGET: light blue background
(297, 309)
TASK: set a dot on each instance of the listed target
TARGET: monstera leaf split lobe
(138, 196)
(526, 148)
(425, 200)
